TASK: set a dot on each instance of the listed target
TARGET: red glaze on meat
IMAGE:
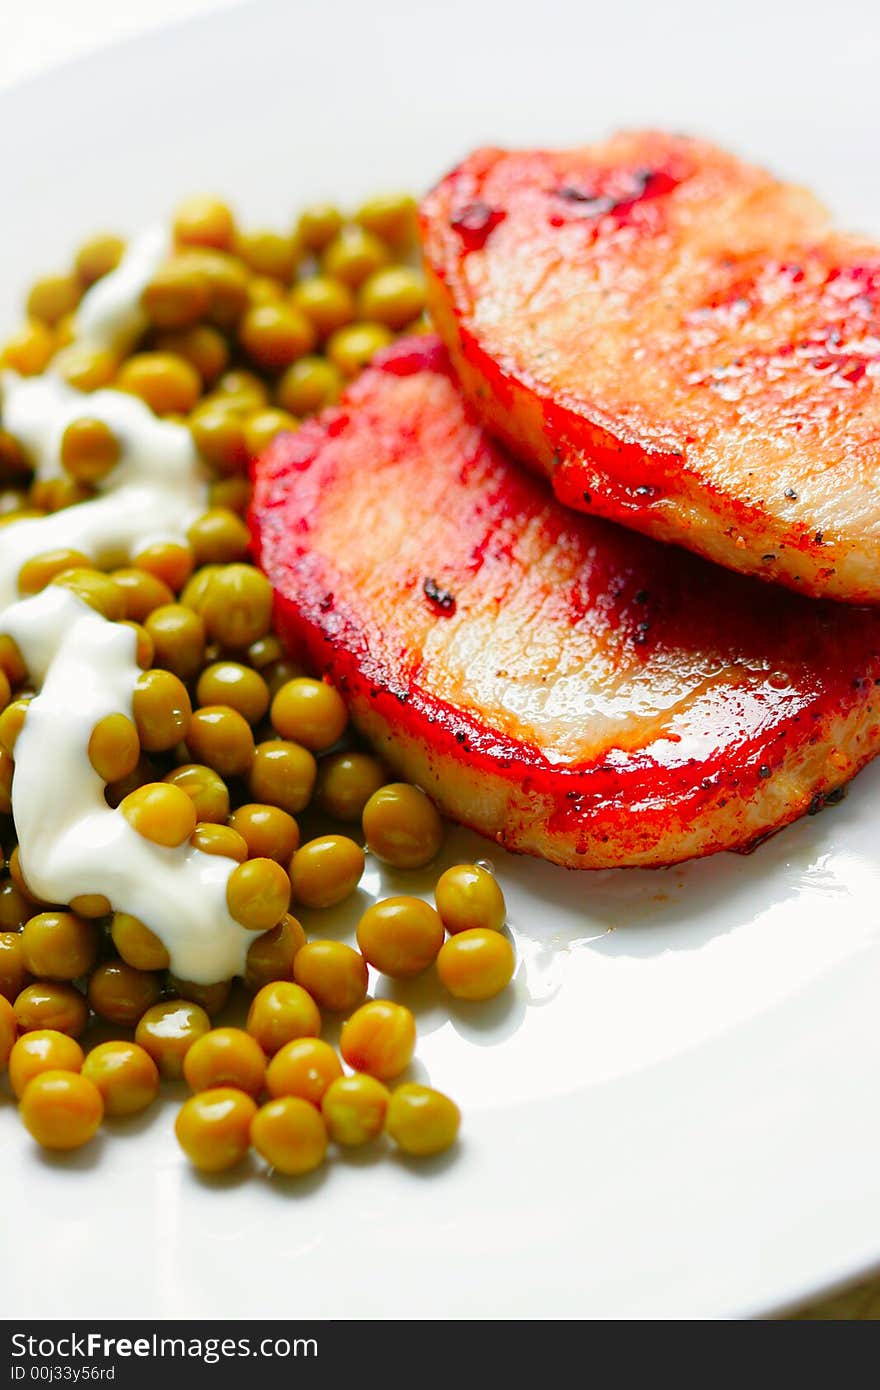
(569, 688)
(680, 341)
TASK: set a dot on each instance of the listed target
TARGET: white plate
(675, 1114)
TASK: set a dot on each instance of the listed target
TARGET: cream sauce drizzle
(70, 841)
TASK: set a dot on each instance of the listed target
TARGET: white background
(36, 34)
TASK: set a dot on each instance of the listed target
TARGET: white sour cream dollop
(70, 841)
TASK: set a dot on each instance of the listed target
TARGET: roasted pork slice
(679, 341)
(568, 688)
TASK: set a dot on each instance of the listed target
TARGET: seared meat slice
(680, 341)
(569, 688)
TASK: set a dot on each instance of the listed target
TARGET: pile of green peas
(248, 332)
(229, 741)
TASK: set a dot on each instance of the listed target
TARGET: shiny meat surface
(681, 342)
(567, 687)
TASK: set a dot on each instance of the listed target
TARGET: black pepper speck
(442, 599)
